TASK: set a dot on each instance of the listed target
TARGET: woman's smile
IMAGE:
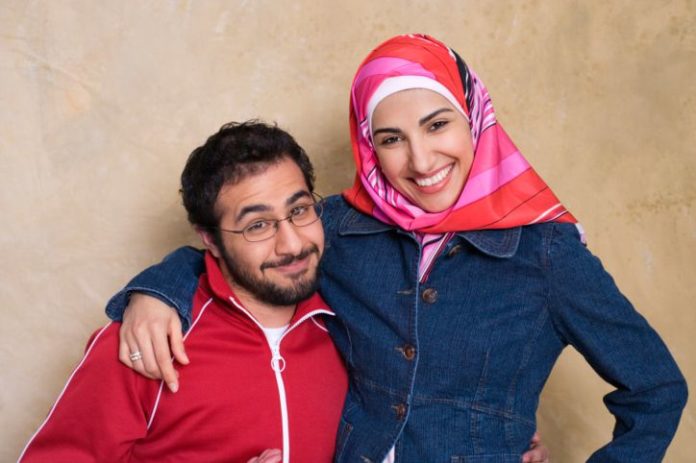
(434, 180)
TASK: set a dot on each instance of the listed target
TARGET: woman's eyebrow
(424, 120)
(385, 130)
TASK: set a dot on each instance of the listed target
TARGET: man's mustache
(290, 259)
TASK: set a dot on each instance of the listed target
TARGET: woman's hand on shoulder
(150, 328)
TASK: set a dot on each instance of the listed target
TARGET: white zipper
(278, 366)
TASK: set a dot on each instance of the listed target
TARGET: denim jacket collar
(501, 243)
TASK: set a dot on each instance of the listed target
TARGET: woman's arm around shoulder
(150, 306)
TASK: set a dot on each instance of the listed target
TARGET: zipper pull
(277, 361)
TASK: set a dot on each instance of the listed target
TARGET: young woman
(458, 278)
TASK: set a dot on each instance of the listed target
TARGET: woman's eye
(389, 140)
(437, 125)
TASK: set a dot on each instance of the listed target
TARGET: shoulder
(103, 338)
(550, 232)
(549, 244)
(552, 236)
(573, 267)
(100, 363)
(335, 208)
(565, 242)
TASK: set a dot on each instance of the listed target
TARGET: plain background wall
(101, 102)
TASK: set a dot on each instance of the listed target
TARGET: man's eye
(299, 211)
(258, 227)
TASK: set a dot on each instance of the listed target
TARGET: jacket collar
(501, 243)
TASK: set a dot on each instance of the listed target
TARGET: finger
(133, 346)
(270, 456)
(164, 360)
(149, 360)
(274, 459)
(267, 456)
(536, 440)
(536, 455)
(123, 349)
(176, 340)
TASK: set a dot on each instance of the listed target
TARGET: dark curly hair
(238, 149)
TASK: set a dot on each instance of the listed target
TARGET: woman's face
(424, 147)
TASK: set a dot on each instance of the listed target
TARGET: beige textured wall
(100, 103)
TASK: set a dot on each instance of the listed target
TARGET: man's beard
(267, 291)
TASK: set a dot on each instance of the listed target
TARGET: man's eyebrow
(252, 208)
(424, 120)
(266, 208)
(298, 195)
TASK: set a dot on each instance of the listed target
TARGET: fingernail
(173, 386)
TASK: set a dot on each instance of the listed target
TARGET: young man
(266, 374)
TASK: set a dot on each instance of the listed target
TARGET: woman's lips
(435, 181)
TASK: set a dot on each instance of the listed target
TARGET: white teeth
(435, 179)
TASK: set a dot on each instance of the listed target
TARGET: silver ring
(135, 356)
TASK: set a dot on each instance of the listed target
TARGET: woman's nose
(421, 157)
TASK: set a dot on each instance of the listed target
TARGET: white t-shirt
(274, 334)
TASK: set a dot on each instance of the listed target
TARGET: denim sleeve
(173, 281)
(591, 314)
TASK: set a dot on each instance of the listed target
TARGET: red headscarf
(501, 191)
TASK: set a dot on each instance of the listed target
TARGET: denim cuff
(119, 301)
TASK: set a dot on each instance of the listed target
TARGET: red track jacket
(236, 398)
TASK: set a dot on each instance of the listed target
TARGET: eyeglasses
(301, 215)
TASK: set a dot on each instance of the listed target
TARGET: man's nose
(287, 239)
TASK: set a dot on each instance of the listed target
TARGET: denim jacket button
(456, 249)
(400, 411)
(429, 295)
(409, 352)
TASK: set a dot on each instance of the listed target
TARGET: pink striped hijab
(501, 191)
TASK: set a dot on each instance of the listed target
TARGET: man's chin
(301, 288)
(290, 289)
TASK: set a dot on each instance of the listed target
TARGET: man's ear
(208, 241)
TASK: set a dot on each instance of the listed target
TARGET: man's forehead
(273, 188)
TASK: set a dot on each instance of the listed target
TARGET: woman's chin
(433, 205)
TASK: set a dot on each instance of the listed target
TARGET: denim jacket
(451, 370)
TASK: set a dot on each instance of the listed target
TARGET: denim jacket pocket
(493, 429)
